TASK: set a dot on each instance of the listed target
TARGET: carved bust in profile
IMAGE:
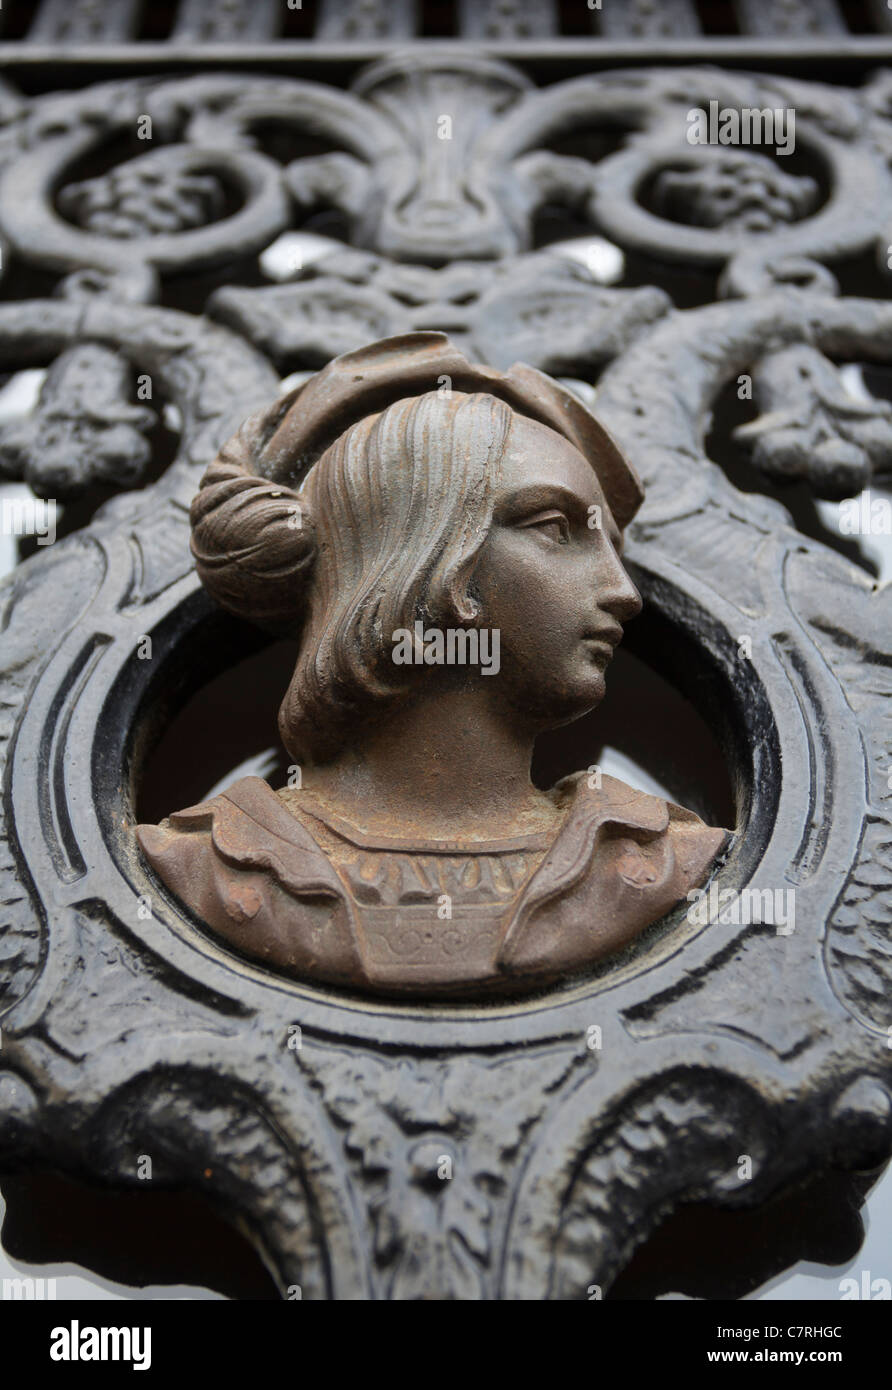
(444, 541)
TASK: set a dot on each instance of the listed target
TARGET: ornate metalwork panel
(212, 204)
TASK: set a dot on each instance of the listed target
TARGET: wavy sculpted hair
(384, 531)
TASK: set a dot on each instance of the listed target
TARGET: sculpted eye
(553, 524)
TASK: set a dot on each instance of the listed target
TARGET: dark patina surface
(577, 1116)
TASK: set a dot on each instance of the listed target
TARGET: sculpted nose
(618, 594)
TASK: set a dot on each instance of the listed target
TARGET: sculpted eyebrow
(528, 499)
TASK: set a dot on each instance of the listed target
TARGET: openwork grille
(200, 204)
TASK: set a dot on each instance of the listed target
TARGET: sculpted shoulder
(623, 860)
(250, 871)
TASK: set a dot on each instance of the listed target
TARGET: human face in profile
(550, 578)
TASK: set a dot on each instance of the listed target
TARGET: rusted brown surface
(445, 541)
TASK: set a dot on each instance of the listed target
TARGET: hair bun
(253, 542)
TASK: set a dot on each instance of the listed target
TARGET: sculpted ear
(254, 545)
(465, 601)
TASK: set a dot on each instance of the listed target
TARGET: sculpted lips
(602, 640)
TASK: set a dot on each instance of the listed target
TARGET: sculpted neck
(447, 765)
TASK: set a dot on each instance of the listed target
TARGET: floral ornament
(740, 190)
(152, 195)
(434, 1167)
(84, 428)
(811, 428)
(543, 308)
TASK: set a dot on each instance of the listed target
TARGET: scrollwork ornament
(448, 1148)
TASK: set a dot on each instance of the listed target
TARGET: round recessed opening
(681, 720)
